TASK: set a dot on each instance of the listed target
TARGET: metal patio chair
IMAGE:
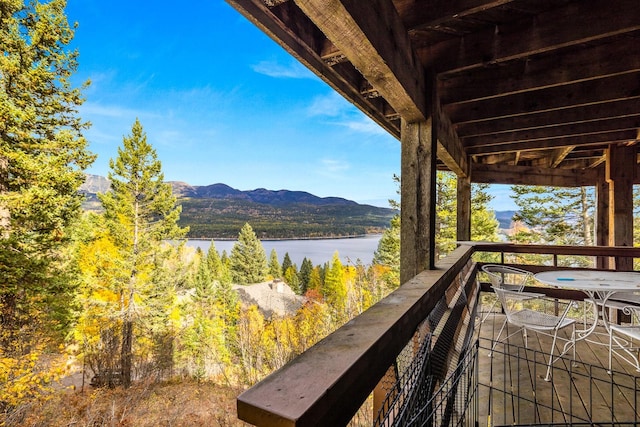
(623, 336)
(505, 277)
(516, 306)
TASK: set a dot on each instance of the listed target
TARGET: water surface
(318, 251)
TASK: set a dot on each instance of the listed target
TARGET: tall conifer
(274, 265)
(248, 259)
(141, 213)
(42, 158)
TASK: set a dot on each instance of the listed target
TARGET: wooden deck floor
(512, 389)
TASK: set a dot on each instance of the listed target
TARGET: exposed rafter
(385, 59)
(525, 83)
(581, 22)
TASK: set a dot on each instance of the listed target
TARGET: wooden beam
(273, 3)
(595, 139)
(621, 167)
(450, 149)
(385, 58)
(582, 22)
(301, 38)
(582, 114)
(556, 98)
(419, 16)
(559, 155)
(602, 220)
(528, 175)
(541, 72)
(563, 131)
(417, 199)
(463, 206)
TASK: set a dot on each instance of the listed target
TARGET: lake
(317, 251)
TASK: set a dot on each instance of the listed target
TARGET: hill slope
(219, 211)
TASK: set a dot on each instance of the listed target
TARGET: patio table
(598, 285)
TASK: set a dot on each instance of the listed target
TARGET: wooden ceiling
(521, 91)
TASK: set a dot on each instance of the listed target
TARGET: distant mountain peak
(95, 184)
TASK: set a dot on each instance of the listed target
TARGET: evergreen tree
(248, 259)
(275, 270)
(141, 213)
(203, 283)
(286, 262)
(387, 254)
(446, 213)
(228, 310)
(335, 287)
(201, 334)
(484, 225)
(42, 158)
(214, 263)
(556, 216)
(315, 280)
(291, 279)
(305, 274)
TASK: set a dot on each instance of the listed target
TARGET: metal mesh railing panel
(420, 399)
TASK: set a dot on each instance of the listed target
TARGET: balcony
(419, 357)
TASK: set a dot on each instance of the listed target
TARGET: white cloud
(344, 114)
(330, 105)
(94, 109)
(365, 125)
(292, 70)
(333, 168)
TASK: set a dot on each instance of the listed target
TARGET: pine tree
(484, 225)
(141, 213)
(286, 262)
(305, 274)
(214, 263)
(275, 270)
(557, 216)
(248, 259)
(291, 279)
(387, 254)
(446, 214)
(315, 280)
(335, 287)
(203, 283)
(42, 158)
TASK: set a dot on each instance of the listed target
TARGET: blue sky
(221, 102)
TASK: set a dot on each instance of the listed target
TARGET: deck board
(512, 387)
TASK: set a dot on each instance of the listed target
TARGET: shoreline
(280, 239)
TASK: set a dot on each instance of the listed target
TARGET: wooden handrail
(610, 251)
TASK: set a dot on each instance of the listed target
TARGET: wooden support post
(602, 221)
(417, 199)
(621, 162)
(463, 224)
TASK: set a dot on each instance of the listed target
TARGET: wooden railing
(328, 383)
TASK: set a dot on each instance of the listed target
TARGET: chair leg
(489, 312)
(632, 356)
(495, 343)
(610, 350)
(506, 338)
(553, 346)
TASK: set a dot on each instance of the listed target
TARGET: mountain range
(219, 211)
(260, 195)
